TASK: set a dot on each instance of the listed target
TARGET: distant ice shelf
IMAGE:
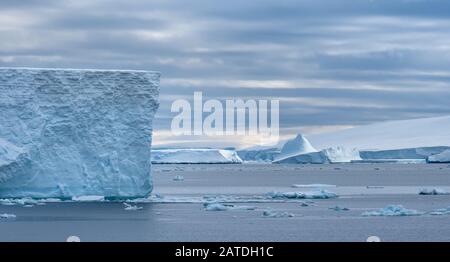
(195, 156)
(66, 133)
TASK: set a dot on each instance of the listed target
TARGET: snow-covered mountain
(195, 156)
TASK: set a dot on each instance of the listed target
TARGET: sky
(332, 64)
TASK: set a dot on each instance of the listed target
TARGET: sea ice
(433, 191)
(195, 156)
(178, 178)
(440, 212)
(7, 216)
(66, 132)
(277, 214)
(320, 194)
(225, 207)
(393, 210)
(129, 207)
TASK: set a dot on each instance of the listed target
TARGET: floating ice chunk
(129, 207)
(393, 210)
(440, 212)
(338, 208)
(7, 216)
(88, 198)
(277, 214)
(225, 207)
(433, 191)
(312, 186)
(178, 178)
(320, 194)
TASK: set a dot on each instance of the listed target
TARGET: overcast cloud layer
(332, 64)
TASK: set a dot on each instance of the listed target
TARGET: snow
(129, 207)
(195, 156)
(414, 133)
(276, 214)
(7, 216)
(319, 194)
(297, 146)
(433, 191)
(393, 210)
(443, 157)
(76, 132)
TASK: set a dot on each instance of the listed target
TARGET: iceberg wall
(66, 132)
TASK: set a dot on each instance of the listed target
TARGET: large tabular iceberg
(66, 133)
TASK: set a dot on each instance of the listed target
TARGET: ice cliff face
(66, 133)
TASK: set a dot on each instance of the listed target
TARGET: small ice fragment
(338, 208)
(440, 212)
(320, 194)
(312, 186)
(276, 214)
(393, 210)
(7, 216)
(129, 207)
(88, 198)
(433, 191)
(225, 207)
(374, 187)
(304, 204)
(178, 178)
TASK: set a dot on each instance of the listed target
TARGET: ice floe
(433, 191)
(7, 216)
(319, 194)
(393, 210)
(277, 214)
(129, 207)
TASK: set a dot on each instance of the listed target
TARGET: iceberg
(297, 146)
(393, 210)
(195, 156)
(66, 133)
(263, 155)
(443, 157)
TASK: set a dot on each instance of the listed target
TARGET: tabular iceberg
(67, 133)
(195, 156)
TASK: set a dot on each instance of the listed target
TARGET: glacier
(66, 133)
(195, 156)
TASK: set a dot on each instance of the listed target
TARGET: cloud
(345, 63)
